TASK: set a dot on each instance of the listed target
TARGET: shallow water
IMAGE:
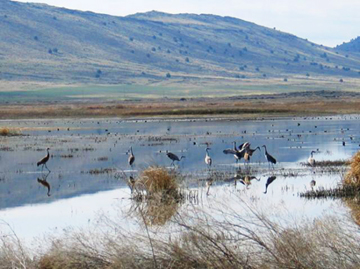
(78, 147)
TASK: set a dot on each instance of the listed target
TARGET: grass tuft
(158, 182)
(5, 131)
(352, 178)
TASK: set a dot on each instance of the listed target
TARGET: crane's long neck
(207, 152)
(234, 145)
(131, 151)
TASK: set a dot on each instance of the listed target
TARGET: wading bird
(268, 182)
(131, 158)
(269, 158)
(173, 157)
(246, 180)
(208, 159)
(238, 154)
(311, 160)
(44, 160)
(312, 184)
(249, 152)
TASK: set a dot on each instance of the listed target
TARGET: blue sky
(327, 22)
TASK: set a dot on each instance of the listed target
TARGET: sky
(326, 22)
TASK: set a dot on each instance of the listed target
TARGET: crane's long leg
(47, 167)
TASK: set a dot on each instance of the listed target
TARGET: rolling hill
(352, 46)
(46, 45)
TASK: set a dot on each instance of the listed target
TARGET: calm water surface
(80, 147)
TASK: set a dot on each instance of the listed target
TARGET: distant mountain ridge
(41, 43)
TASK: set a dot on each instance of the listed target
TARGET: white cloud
(328, 22)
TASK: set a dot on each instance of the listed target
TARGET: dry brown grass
(5, 131)
(204, 242)
(352, 178)
(158, 181)
(195, 107)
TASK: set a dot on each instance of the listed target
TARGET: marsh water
(88, 163)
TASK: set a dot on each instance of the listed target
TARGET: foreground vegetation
(202, 241)
(255, 242)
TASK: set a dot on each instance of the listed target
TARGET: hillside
(45, 44)
(352, 46)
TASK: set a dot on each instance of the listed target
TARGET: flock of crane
(243, 151)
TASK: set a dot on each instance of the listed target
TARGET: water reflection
(268, 182)
(43, 182)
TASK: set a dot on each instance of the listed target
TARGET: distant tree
(154, 37)
(243, 76)
(285, 79)
(229, 44)
(271, 51)
(153, 49)
(187, 59)
(264, 75)
(131, 38)
(307, 74)
(168, 75)
(177, 60)
(257, 69)
(132, 51)
(148, 55)
(54, 18)
(237, 76)
(5, 16)
(341, 80)
(168, 51)
(50, 51)
(143, 73)
(245, 49)
(36, 38)
(160, 34)
(55, 50)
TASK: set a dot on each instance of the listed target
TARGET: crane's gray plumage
(269, 158)
(311, 159)
(44, 160)
(208, 159)
(174, 157)
(131, 158)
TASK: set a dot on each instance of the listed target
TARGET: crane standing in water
(311, 160)
(44, 160)
(173, 157)
(269, 158)
(208, 159)
(131, 158)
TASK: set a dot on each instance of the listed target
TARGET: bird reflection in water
(246, 180)
(43, 182)
(268, 182)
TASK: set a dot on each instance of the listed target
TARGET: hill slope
(352, 46)
(41, 43)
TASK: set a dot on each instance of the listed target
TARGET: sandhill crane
(44, 160)
(173, 157)
(131, 158)
(268, 182)
(131, 183)
(238, 154)
(208, 159)
(311, 160)
(269, 158)
(249, 152)
(312, 184)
